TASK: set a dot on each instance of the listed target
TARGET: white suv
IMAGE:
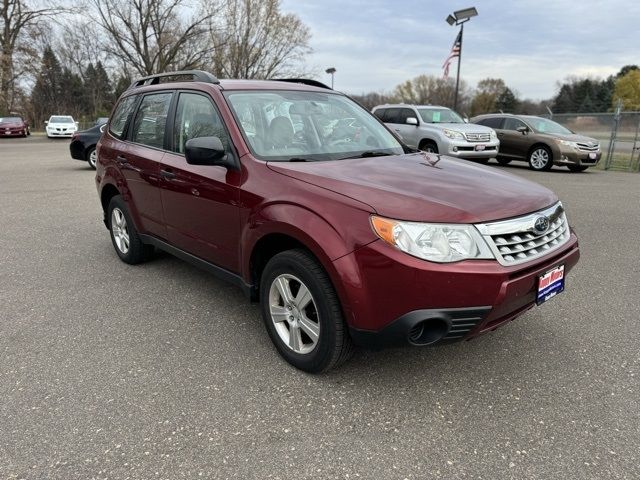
(61, 126)
(439, 130)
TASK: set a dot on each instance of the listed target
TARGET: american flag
(455, 52)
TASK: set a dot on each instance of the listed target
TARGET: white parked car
(61, 126)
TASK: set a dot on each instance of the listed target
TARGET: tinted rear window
(493, 122)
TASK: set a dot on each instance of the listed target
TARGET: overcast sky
(531, 44)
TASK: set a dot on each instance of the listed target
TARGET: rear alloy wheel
(302, 313)
(504, 161)
(124, 236)
(577, 168)
(540, 159)
(92, 157)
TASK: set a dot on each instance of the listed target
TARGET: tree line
(574, 95)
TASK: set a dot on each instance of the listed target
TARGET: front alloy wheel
(294, 313)
(540, 159)
(92, 158)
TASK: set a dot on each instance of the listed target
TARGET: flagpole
(455, 100)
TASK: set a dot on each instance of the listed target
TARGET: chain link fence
(618, 134)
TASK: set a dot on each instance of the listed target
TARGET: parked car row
(344, 233)
(539, 141)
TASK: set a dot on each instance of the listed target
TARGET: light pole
(460, 17)
(331, 71)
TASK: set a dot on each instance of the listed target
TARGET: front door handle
(167, 174)
(121, 160)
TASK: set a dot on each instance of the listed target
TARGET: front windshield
(542, 125)
(61, 120)
(439, 115)
(298, 125)
(10, 120)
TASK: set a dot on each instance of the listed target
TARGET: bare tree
(257, 40)
(154, 36)
(427, 89)
(18, 22)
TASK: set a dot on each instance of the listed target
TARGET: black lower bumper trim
(459, 321)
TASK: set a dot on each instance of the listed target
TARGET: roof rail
(196, 76)
(304, 81)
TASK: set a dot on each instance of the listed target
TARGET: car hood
(425, 187)
(61, 125)
(461, 127)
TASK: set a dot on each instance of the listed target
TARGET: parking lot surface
(162, 371)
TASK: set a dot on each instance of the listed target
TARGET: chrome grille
(588, 147)
(517, 241)
(478, 137)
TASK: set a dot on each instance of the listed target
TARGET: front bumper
(389, 293)
(13, 132)
(471, 150)
(55, 133)
(570, 156)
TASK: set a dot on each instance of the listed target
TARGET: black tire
(577, 168)
(334, 344)
(428, 146)
(88, 157)
(540, 158)
(136, 251)
(504, 161)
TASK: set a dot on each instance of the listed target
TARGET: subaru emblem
(541, 225)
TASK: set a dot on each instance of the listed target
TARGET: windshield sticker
(436, 117)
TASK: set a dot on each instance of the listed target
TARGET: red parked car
(13, 127)
(345, 237)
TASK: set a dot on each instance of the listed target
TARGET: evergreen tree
(507, 101)
(47, 94)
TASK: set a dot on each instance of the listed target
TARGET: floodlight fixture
(465, 14)
(451, 20)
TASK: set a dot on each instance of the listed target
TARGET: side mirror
(46, 122)
(411, 121)
(523, 130)
(206, 151)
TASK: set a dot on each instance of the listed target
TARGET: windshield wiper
(369, 153)
(299, 159)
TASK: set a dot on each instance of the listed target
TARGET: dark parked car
(83, 144)
(13, 127)
(356, 240)
(541, 142)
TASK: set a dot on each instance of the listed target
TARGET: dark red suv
(344, 235)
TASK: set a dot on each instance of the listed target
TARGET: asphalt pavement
(161, 371)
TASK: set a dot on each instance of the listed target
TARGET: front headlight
(453, 134)
(493, 135)
(436, 242)
(567, 143)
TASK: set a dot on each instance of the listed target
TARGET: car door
(513, 144)
(409, 133)
(200, 202)
(139, 160)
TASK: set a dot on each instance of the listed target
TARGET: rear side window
(151, 119)
(406, 113)
(493, 122)
(121, 115)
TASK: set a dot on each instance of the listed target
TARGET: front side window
(285, 125)
(513, 124)
(439, 115)
(121, 115)
(197, 117)
(151, 119)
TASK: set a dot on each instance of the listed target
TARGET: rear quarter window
(121, 114)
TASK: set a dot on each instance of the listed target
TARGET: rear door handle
(167, 174)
